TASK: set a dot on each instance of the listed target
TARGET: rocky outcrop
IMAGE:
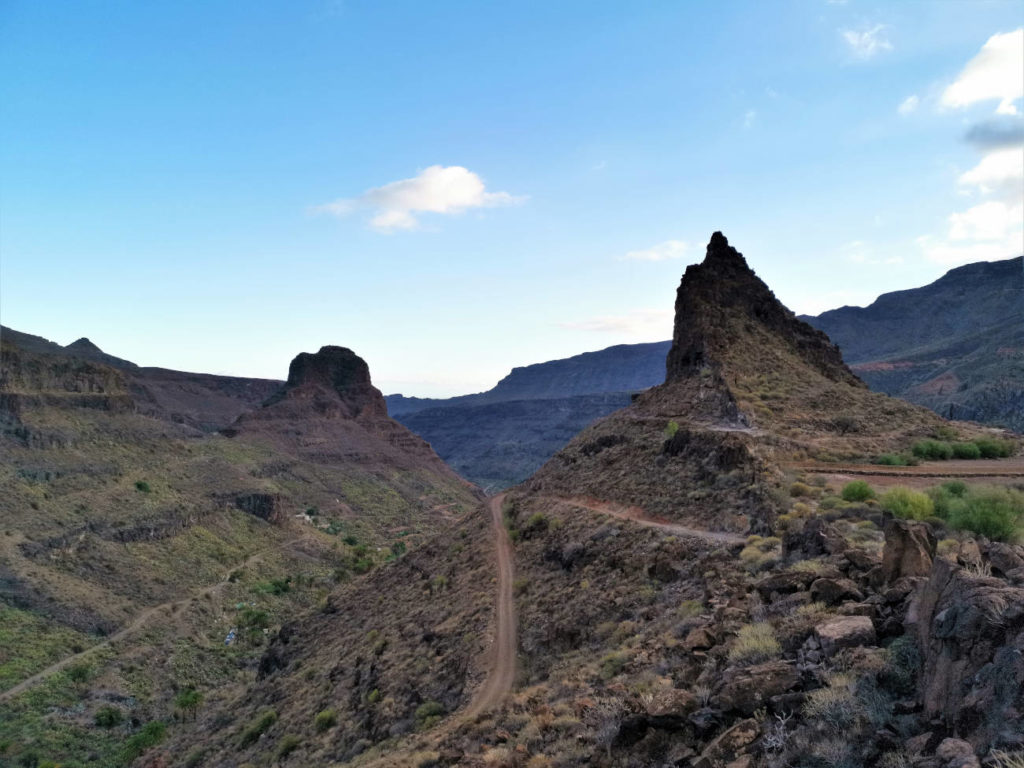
(909, 550)
(971, 634)
(335, 382)
(844, 632)
(718, 296)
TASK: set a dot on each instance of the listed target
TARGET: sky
(452, 189)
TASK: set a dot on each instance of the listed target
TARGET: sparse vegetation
(325, 720)
(257, 728)
(108, 717)
(151, 734)
(755, 643)
(428, 714)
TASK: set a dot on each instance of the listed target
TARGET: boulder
(862, 558)
(1004, 557)
(969, 554)
(832, 591)
(845, 632)
(909, 549)
(749, 688)
(727, 744)
(700, 638)
(673, 702)
(956, 753)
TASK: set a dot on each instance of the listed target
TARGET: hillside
(134, 542)
(650, 627)
(955, 346)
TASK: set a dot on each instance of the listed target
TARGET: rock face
(335, 382)
(956, 345)
(722, 293)
(909, 550)
(971, 634)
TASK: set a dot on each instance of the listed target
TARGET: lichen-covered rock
(845, 632)
(909, 550)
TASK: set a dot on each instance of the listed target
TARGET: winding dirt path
(638, 516)
(502, 668)
(136, 624)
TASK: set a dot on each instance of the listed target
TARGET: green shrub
(991, 448)
(325, 720)
(257, 728)
(903, 502)
(798, 489)
(428, 714)
(108, 717)
(188, 701)
(287, 745)
(895, 460)
(611, 665)
(966, 451)
(933, 450)
(671, 429)
(902, 666)
(79, 673)
(142, 486)
(858, 490)
(997, 513)
(755, 643)
(152, 733)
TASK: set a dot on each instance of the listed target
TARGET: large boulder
(909, 550)
(845, 632)
(749, 688)
(970, 631)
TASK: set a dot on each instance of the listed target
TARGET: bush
(612, 665)
(991, 448)
(858, 490)
(966, 451)
(802, 489)
(188, 701)
(257, 728)
(428, 714)
(108, 717)
(906, 503)
(933, 450)
(287, 745)
(755, 643)
(997, 513)
(79, 673)
(142, 486)
(325, 720)
(895, 460)
(152, 733)
(671, 429)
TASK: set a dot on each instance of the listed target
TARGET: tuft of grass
(755, 643)
(152, 733)
(325, 720)
(428, 714)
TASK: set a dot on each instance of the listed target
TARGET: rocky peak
(723, 306)
(83, 345)
(336, 380)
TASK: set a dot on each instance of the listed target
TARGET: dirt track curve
(502, 668)
(638, 516)
(136, 624)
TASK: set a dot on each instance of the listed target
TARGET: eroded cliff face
(716, 303)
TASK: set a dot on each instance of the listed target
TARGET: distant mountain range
(955, 346)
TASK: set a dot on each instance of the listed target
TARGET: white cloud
(997, 72)
(437, 189)
(867, 42)
(650, 323)
(909, 105)
(994, 220)
(1000, 172)
(749, 117)
(951, 254)
(670, 249)
(860, 252)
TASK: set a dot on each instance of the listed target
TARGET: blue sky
(453, 189)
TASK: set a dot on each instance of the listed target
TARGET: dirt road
(502, 664)
(638, 516)
(136, 624)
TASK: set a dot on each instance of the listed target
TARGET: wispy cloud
(867, 42)
(995, 73)
(670, 249)
(650, 323)
(860, 252)
(909, 105)
(437, 189)
(749, 117)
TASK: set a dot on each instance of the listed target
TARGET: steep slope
(132, 544)
(956, 345)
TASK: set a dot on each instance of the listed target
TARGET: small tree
(187, 702)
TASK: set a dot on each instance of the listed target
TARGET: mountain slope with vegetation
(143, 560)
(955, 346)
